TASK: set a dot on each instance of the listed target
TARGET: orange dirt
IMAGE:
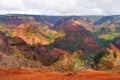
(43, 74)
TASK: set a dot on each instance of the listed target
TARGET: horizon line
(58, 15)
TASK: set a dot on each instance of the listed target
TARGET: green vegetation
(52, 35)
(88, 57)
(106, 62)
(65, 44)
(71, 65)
(40, 32)
(69, 46)
(10, 34)
(29, 56)
(17, 52)
(103, 43)
(105, 38)
(109, 36)
(28, 35)
(70, 62)
(50, 46)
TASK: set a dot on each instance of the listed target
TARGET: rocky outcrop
(109, 59)
(18, 61)
(15, 46)
(14, 52)
(62, 22)
(16, 20)
(116, 42)
(46, 56)
(35, 33)
(4, 47)
(26, 32)
(70, 62)
(16, 41)
(58, 53)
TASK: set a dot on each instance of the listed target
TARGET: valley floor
(43, 74)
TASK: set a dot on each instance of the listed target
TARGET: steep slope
(46, 56)
(107, 28)
(77, 37)
(16, 20)
(109, 59)
(103, 20)
(4, 47)
(14, 54)
(70, 62)
(116, 42)
(18, 61)
(35, 33)
(85, 22)
(28, 34)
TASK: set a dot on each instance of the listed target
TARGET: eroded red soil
(43, 74)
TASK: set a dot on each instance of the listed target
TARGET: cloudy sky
(60, 7)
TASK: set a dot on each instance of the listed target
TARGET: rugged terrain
(68, 47)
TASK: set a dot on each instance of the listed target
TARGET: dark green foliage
(65, 44)
(98, 57)
(103, 42)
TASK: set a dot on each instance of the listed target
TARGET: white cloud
(12, 5)
(60, 7)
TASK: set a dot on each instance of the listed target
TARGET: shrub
(29, 56)
(69, 63)
(105, 61)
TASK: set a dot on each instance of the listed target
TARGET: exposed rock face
(18, 50)
(77, 37)
(16, 41)
(61, 23)
(36, 33)
(106, 19)
(46, 56)
(70, 62)
(108, 28)
(109, 24)
(114, 50)
(58, 53)
(116, 42)
(83, 21)
(18, 61)
(17, 46)
(4, 47)
(26, 32)
(14, 52)
(16, 20)
(109, 59)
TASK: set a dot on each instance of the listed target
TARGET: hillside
(60, 43)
